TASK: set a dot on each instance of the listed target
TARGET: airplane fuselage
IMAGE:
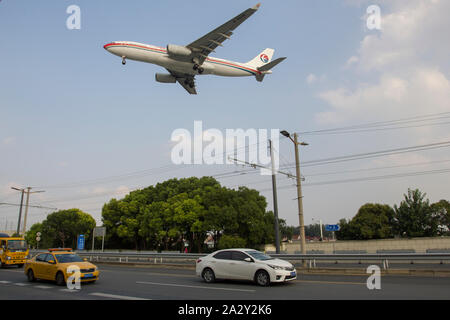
(159, 56)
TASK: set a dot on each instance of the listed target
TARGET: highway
(164, 283)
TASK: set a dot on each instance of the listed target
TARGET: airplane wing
(206, 44)
(187, 81)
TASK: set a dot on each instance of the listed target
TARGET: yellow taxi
(54, 264)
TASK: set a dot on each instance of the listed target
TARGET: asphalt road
(125, 282)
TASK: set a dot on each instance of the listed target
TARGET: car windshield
(17, 245)
(259, 255)
(66, 258)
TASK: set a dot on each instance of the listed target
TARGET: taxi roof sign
(60, 249)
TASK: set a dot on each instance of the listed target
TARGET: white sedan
(244, 264)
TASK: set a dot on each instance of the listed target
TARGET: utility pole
(26, 208)
(275, 201)
(274, 186)
(299, 190)
(299, 196)
(21, 205)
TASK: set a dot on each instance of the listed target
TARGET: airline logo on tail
(264, 58)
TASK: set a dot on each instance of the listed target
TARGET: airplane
(185, 62)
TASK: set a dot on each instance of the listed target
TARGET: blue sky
(69, 111)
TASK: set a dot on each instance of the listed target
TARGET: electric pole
(26, 208)
(299, 195)
(274, 186)
(299, 190)
(275, 201)
(28, 192)
(20, 209)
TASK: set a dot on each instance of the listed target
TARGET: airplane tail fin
(267, 68)
(261, 59)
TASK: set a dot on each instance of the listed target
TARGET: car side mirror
(51, 261)
(248, 259)
(85, 259)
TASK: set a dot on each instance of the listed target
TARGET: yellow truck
(13, 251)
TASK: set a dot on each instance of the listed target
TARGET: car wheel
(30, 276)
(208, 275)
(60, 281)
(262, 278)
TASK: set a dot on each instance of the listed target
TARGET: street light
(299, 189)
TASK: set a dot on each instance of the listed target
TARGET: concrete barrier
(417, 245)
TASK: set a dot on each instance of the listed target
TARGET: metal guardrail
(311, 259)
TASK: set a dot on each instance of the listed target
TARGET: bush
(227, 242)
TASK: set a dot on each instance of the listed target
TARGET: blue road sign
(80, 242)
(332, 227)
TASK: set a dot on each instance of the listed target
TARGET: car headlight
(8, 258)
(276, 267)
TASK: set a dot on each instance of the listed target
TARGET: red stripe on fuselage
(165, 51)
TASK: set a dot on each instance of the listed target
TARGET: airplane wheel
(196, 66)
(201, 70)
(124, 61)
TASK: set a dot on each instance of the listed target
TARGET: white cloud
(403, 67)
(313, 79)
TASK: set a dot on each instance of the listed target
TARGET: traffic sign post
(99, 232)
(80, 242)
(332, 227)
(38, 238)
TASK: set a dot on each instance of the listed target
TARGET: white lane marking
(5, 282)
(114, 296)
(69, 290)
(21, 284)
(197, 287)
(42, 287)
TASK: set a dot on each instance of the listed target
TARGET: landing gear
(198, 68)
(124, 60)
(189, 83)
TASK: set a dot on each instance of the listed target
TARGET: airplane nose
(106, 46)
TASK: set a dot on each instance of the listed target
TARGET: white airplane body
(185, 62)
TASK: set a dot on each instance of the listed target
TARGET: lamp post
(299, 189)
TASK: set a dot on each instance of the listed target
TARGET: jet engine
(178, 51)
(165, 78)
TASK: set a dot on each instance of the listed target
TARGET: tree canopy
(179, 211)
(413, 217)
(61, 229)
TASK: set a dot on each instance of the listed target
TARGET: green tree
(414, 217)
(285, 230)
(61, 228)
(372, 221)
(165, 215)
(441, 211)
(30, 236)
(227, 242)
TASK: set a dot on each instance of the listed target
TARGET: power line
(375, 154)
(373, 178)
(429, 117)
